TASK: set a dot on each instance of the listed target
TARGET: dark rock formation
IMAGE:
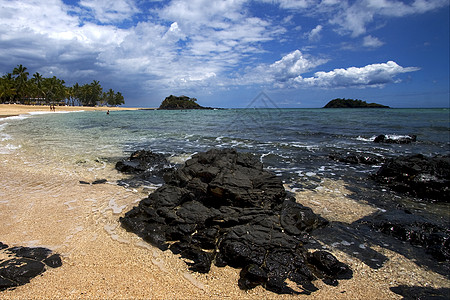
(181, 102)
(146, 165)
(413, 229)
(23, 264)
(417, 175)
(357, 158)
(422, 293)
(221, 207)
(98, 181)
(351, 103)
(404, 139)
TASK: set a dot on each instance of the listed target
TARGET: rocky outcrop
(357, 158)
(389, 139)
(24, 263)
(413, 229)
(145, 165)
(417, 175)
(221, 207)
(352, 103)
(180, 102)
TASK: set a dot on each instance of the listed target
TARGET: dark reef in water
(221, 207)
(23, 264)
(351, 103)
(144, 166)
(418, 176)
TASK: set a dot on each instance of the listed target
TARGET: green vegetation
(181, 102)
(17, 87)
(351, 103)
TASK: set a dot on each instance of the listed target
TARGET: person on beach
(107, 112)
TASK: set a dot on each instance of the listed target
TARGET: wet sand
(42, 204)
(7, 110)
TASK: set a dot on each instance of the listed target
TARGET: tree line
(19, 87)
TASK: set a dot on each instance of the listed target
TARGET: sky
(225, 53)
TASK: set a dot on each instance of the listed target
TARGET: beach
(43, 203)
(8, 110)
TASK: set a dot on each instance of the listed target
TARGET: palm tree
(7, 89)
(38, 89)
(21, 81)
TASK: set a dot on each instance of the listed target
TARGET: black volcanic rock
(434, 238)
(407, 139)
(417, 175)
(221, 207)
(24, 263)
(145, 165)
(357, 158)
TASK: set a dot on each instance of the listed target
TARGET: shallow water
(54, 151)
(287, 140)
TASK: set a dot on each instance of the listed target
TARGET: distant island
(181, 102)
(351, 103)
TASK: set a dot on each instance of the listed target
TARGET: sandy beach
(7, 110)
(42, 204)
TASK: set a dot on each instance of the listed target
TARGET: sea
(293, 143)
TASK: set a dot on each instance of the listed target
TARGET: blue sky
(301, 53)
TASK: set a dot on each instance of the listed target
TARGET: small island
(351, 103)
(181, 102)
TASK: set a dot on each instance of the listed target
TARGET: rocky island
(351, 103)
(180, 102)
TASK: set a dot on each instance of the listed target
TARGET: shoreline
(10, 110)
(43, 204)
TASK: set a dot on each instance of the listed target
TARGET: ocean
(44, 156)
(293, 143)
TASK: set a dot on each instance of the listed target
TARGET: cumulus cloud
(314, 35)
(374, 75)
(284, 72)
(354, 17)
(106, 11)
(372, 42)
(289, 71)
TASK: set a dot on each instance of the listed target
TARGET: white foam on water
(19, 117)
(8, 148)
(363, 139)
(110, 229)
(53, 112)
(194, 281)
(112, 205)
(69, 206)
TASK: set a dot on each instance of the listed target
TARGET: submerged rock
(221, 207)
(145, 165)
(416, 230)
(23, 264)
(417, 175)
(357, 158)
(401, 139)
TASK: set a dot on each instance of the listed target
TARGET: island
(351, 103)
(180, 102)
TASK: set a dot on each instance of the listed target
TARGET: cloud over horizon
(199, 44)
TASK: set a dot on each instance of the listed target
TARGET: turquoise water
(292, 142)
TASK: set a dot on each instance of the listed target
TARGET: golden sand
(44, 205)
(7, 110)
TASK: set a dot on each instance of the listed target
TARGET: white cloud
(354, 18)
(107, 11)
(374, 75)
(282, 73)
(314, 35)
(372, 42)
